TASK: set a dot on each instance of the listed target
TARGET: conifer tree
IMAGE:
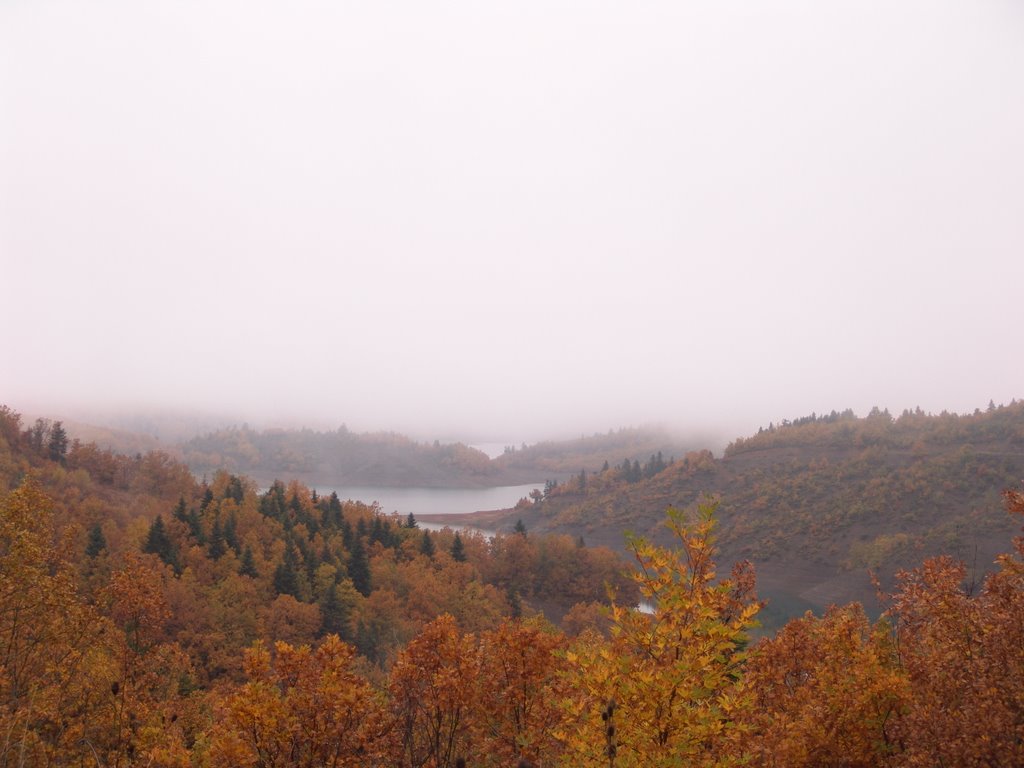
(335, 615)
(216, 549)
(332, 517)
(96, 543)
(231, 533)
(248, 565)
(458, 550)
(286, 577)
(195, 526)
(181, 510)
(427, 545)
(359, 567)
(57, 446)
(159, 543)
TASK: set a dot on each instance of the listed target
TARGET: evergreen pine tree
(195, 526)
(334, 516)
(346, 534)
(286, 577)
(377, 531)
(358, 567)
(520, 527)
(216, 549)
(96, 542)
(311, 561)
(326, 556)
(181, 510)
(57, 446)
(231, 533)
(335, 615)
(458, 550)
(248, 565)
(159, 543)
(234, 489)
(427, 545)
(410, 521)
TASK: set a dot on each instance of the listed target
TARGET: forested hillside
(817, 502)
(341, 457)
(148, 619)
(557, 458)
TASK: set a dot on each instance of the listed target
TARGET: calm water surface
(435, 501)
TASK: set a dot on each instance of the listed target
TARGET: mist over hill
(341, 457)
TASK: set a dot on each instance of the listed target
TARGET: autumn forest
(153, 617)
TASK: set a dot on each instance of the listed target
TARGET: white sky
(512, 219)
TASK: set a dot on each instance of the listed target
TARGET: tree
(520, 527)
(410, 521)
(49, 638)
(96, 542)
(336, 611)
(674, 675)
(248, 564)
(231, 532)
(57, 446)
(159, 543)
(828, 691)
(458, 550)
(37, 435)
(307, 708)
(961, 653)
(359, 566)
(217, 548)
(427, 545)
(519, 687)
(286, 577)
(431, 688)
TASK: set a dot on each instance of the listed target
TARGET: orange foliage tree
(432, 696)
(305, 708)
(963, 656)
(517, 714)
(827, 692)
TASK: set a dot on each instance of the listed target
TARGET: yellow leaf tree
(666, 690)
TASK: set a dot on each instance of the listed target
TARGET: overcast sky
(511, 219)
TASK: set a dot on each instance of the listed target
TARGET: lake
(434, 501)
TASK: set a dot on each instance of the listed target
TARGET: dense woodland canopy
(147, 619)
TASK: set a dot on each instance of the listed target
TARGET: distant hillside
(342, 458)
(818, 502)
(117, 440)
(563, 457)
(387, 459)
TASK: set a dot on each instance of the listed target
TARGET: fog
(511, 220)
